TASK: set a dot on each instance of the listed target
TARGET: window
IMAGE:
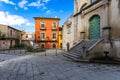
(54, 25)
(10, 32)
(69, 28)
(42, 35)
(92, 1)
(54, 36)
(54, 45)
(42, 25)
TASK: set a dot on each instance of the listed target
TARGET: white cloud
(46, 1)
(22, 4)
(44, 7)
(50, 12)
(7, 2)
(13, 20)
(36, 4)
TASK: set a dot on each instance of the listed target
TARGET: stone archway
(94, 27)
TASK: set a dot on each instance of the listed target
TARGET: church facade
(98, 20)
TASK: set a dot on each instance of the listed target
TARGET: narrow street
(37, 66)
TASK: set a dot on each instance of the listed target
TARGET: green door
(94, 29)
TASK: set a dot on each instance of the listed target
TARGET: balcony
(42, 28)
(54, 29)
(47, 40)
(8, 36)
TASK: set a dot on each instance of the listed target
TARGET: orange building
(46, 32)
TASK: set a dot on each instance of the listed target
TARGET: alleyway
(51, 67)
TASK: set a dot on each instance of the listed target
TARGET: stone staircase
(76, 53)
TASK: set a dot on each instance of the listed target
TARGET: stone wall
(115, 19)
(80, 3)
(3, 28)
(5, 44)
(28, 43)
(112, 19)
(117, 45)
(68, 37)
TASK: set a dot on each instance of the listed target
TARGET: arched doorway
(42, 45)
(94, 27)
(54, 45)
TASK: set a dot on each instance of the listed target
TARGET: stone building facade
(98, 20)
(28, 39)
(68, 33)
(8, 36)
(46, 32)
(60, 38)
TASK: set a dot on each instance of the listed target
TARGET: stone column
(106, 15)
(82, 34)
(106, 30)
(75, 6)
(106, 36)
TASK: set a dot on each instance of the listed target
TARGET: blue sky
(19, 13)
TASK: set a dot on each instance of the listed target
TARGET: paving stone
(39, 67)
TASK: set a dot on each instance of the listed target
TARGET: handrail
(76, 44)
(94, 45)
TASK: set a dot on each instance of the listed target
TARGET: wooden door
(94, 29)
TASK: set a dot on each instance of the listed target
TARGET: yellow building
(60, 38)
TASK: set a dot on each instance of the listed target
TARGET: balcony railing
(47, 40)
(8, 36)
(54, 28)
(42, 28)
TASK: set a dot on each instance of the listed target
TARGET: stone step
(71, 57)
(76, 52)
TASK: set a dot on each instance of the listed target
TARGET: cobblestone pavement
(39, 67)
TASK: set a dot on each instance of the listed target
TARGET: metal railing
(7, 35)
(21, 51)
